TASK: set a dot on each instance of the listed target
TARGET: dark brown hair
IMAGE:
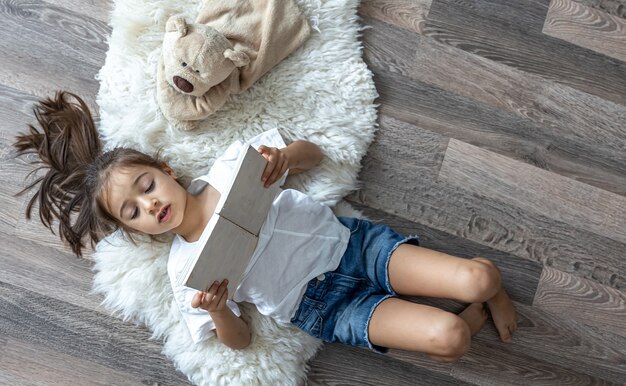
(77, 170)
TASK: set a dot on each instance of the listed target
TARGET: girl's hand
(213, 300)
(277, 164)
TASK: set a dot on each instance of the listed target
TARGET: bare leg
(420, 271)
(401, 324)
(475, 316)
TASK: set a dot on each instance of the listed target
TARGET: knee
(451, 338)
(481, 280)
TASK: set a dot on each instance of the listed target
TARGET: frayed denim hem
(413, 240)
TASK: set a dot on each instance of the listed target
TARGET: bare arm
(230, 329)
(299, 156)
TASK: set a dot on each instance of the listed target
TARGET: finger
(196, 301)
(210, 293)
(269, 168)
(276, 172)
(284, 168)
(221, 291)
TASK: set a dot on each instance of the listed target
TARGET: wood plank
(55, 325)
(496, 31)
(550, 338)
(23, 363)
(12, 208)
(587, 27)
(94, 9)
(47, 272)
(416, 194)
(497, 107)
(490, 362)
(520, 276)
(612, 7)
(15, 115)
(57, 48)
(581, 300)
(533, 189)
(406, 14)
(332, 363)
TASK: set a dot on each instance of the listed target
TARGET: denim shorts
(337, 306)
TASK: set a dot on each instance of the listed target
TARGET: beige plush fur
(228, 48)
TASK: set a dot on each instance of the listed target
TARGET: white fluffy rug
(323, 92)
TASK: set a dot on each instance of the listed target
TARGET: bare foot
(475, 316)
(503, 314)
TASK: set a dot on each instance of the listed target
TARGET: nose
(151, 205)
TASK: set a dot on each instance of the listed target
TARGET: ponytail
(70, 150)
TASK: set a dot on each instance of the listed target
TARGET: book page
(225, 255)
(231, 236)
(247, 202)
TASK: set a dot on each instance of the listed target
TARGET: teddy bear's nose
(183, 84)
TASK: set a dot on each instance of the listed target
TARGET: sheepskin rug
(323, 93)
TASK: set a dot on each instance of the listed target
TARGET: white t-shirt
(299, 240)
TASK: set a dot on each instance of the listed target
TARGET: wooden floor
(502, 134)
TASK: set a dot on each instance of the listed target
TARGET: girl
(336, 278)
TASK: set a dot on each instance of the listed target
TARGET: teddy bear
(225, 51)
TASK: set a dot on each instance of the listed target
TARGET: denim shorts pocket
(309, 316)
(344, 284)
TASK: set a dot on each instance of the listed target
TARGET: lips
(164, 214)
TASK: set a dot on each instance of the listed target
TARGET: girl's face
(146, 199)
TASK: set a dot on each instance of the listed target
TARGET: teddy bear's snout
(183, 84)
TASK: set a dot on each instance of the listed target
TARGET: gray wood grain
(515, 367)
(499, 108)
(23, 363)
(550, 338)
(95, 9)
(407, 14)
(583, 301)
(612, 7)
(330, 367)
(47, 271)
(587, 27)
(506, 32)
(532, 189)
(59, 326)
(56, 48)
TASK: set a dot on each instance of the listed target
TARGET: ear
(168, 170)
(176, 23)
(238, 58)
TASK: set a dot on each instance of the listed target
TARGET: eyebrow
(134, 184)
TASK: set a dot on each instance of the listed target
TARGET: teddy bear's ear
(176, 23)
(238, 58)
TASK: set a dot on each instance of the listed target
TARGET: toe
(505, 336)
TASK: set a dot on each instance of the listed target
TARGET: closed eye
(135, 214)
(151, 187)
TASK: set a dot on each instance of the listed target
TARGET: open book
(232, 233)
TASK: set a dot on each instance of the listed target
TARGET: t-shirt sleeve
(221, 172)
